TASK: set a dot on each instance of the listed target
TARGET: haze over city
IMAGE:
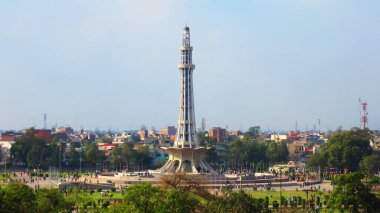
(113, 64)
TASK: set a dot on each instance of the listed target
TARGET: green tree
(17, 197)
(74, 156)
(277, 152)
(350, 192)
(246, 150)
(127, 152)
(142, 155)
(202, 138)
(34, 151)
(253, 132)
(370, 164)
(344, 150)
(116, 156)
(53, 151)
(51, 200)
(318, 159)
(28, 142)
(35, 156)
(236, 149)
(180, 201)
(93, 154)
(143, 198)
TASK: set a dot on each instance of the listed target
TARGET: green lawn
(3, 178)
(84, 197)
(275, 195)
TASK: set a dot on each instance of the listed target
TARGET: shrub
(318, 201)
(299, 200)
(303, 203)
(275, 204)
(312, 204)
(99, 189)
(285, 202)
(266, 202)
(88, 204)
(105, 204)
(325, 201)
(113, 189)
(91, 192)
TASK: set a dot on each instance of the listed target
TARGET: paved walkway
(37, 182)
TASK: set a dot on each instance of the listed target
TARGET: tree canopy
(370, 164)
(17, 197)
(36, 152)
(277, 152)
(350, 192)
(344, 150)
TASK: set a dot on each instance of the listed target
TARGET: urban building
(219, 134)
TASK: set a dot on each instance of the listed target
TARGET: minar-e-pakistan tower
(186, 155)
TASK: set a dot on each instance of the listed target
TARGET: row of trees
(37, 152)
(34, 151)
(246, 150)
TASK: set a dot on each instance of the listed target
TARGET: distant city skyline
(113, 64)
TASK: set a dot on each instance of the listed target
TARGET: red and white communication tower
(363, 114)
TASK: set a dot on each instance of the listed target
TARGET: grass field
(87, 196)
(84, 197)
(275, 195)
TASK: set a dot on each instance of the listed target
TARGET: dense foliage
(344, 150)
(34, 151)
(21, 198)
(351, 192)
(247, 150)
(148, 198)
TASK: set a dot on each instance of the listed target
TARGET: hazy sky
(113, 64)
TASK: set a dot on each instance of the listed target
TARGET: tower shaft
(186, 122)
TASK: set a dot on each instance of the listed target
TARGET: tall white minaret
(186, 136)
(186, 155)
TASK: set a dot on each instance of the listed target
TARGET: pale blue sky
(112, 64)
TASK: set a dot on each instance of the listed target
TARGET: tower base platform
(186, 160)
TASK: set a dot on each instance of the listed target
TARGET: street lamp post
(240, 180)
(5, 167)
(59, 155)
(80, 160)
(280, 191)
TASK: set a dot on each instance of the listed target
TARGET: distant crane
(363, 114)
